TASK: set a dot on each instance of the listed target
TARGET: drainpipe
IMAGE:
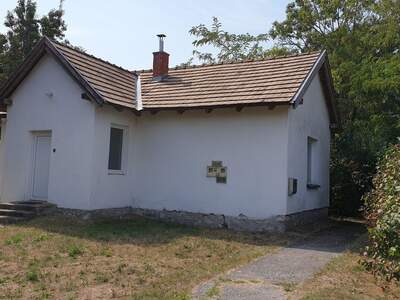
(139, 104)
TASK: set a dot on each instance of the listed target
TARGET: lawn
(67, 258)
(344, 278)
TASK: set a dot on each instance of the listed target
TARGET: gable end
(45, 46)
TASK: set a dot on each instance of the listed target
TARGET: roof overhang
(322, 68)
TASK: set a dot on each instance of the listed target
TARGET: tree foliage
(362, 38)
(311, 24)
(24, 30)
(232, 47)
(382, 255)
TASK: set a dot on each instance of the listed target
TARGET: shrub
(75, 250)
(32, 275)
(382, 210)
(15, 239)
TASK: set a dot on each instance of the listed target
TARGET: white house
(241, 140)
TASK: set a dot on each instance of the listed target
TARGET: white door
(41, 166)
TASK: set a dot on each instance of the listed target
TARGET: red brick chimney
(160, 61)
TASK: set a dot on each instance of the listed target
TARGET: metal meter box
(292, 186)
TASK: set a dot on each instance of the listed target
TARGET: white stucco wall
(110, 190)
(169, 153)
(71, 121)
(252, 144)
(309, 119)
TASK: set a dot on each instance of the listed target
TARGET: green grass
(15, 239)
(32, 275)
(60, 257)
(213, 292)
(344, 278)
(75, 250)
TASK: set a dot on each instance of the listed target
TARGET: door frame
(35, 135)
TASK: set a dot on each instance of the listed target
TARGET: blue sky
(123, 31)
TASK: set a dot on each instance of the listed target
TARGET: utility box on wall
(218, 171)
(292, 186)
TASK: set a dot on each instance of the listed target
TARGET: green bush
(382, 255)
(32, 275)
(75, 250)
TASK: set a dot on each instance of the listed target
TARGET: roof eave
(308, 79)
(330, 94)
(321, 66)
(270, 104)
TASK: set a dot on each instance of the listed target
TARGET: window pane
(115, 155)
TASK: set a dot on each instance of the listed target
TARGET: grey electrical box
(292, 186)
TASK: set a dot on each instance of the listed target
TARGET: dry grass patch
(67, 258)
(344, 278)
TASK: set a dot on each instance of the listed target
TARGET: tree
(24, 30)
(311, 24)
(231, 47)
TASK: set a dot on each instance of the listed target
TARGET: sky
(124, 31)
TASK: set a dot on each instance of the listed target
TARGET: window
(116, 149)
(311, 145)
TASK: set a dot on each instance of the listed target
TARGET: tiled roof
(274, 80)
(281, 80)
(115, 84)
(265, 81)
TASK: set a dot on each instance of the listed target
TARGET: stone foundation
(240, 223)
(120, 213)
(306, 217)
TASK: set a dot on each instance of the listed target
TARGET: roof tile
(274, 80)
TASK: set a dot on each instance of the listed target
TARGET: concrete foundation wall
(272, 224)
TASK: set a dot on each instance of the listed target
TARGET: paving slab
(242, 291)
(267, 277)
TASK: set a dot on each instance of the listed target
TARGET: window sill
(312, 186)
(116, 172)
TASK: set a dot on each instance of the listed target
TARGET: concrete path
(274, 275)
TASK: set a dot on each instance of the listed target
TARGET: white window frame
(124, 154)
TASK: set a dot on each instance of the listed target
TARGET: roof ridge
(135, 72)
(92, 56)
(235, 62)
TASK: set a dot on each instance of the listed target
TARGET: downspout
(139, 104)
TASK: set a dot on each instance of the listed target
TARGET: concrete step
(16, 206)
(17, 213)
(10, 220)
(12, 212)
(32, 202)
(27, 205)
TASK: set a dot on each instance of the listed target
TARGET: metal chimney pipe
(161, 37)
